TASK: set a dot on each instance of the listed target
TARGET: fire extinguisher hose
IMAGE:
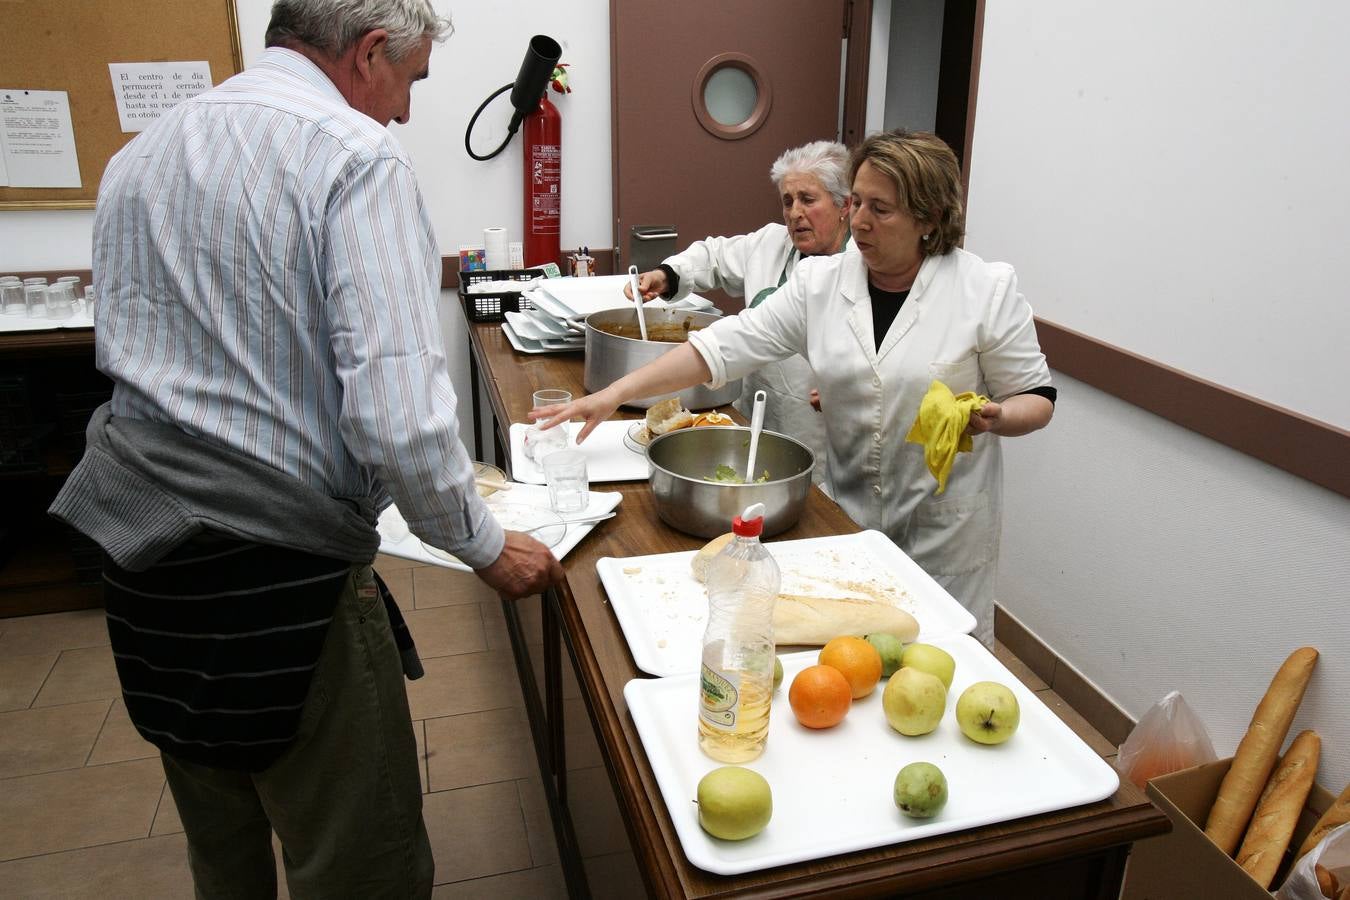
(510, 131)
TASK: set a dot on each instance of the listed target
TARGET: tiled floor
(84, 811)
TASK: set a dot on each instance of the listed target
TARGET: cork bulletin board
(66, 45)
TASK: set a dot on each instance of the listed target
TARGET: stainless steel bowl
(609, 357)
(680, 462)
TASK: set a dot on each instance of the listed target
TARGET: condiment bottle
(738, 647)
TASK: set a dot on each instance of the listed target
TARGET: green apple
(930, 659)
(777, 672)
(987, 712)
(914, 701)
(890, 648)
(734, 803)
(920, 790)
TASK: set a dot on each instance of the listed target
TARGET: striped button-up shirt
(267, 278)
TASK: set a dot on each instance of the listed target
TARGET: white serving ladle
(637, 300)
(756, 426)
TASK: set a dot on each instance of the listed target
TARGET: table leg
(553, 701)
(546, 731)
(477, 413)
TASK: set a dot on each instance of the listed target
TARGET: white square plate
(832, 788)
(608, 457)
(663, 610)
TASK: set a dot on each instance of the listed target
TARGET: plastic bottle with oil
(738, 647)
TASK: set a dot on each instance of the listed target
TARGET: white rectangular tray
(663, 610)
(397, 541)
(832, 788)
(608, 458)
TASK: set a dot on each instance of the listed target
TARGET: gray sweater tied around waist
(143, 488)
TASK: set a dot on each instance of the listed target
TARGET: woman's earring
(927, 236)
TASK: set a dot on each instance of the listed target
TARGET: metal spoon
(756, 426)
(583, 520)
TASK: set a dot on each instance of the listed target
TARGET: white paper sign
(37, 139)
(146, 91)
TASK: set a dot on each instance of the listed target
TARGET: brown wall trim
(604, 265)
(1298, 444)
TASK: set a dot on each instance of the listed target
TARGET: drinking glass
(568, 485)
(60, 300)
(539, 443)
(35, 297)
(11, 299)
(89, 300)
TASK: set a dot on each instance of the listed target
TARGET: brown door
(702, 169)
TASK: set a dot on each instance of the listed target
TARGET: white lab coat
(742, 266)
(964, 324)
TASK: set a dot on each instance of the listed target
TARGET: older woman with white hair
(812, 182)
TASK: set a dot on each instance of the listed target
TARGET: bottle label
(719, 699)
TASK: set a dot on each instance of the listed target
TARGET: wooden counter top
(1078, 852)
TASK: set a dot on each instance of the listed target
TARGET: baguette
(1278, 810)
(1337, 814)
(817, 620)
(668, 415)
(702, 560)
(1258, 750)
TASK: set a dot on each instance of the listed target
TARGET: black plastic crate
(493, 307)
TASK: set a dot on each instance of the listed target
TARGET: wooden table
(1078, 852)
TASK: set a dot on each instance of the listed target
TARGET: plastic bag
(1333, 852)
(1170, 737)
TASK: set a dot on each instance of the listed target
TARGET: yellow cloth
(941, 425)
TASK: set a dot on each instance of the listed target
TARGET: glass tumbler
(539, 443)
(60, 300)
(11, 299)
(35, 297)
(568, 485)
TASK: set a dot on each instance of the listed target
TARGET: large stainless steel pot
(680, 462)
(609, 357)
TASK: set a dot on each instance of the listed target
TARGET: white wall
(1171, 179)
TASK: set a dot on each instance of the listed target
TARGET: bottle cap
(749, 523)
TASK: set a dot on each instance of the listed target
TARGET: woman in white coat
(881, 324)
(812, 183)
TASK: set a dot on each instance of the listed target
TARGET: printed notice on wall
(37, 140)
(146, 91)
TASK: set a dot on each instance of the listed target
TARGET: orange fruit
(857, 660)
(820, 697)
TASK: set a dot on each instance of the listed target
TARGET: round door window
(731, 96)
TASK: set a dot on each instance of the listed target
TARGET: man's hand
(815, 399)
(524, 567)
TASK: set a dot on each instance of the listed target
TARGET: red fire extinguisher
(542, 134)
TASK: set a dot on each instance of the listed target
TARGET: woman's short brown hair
(927, 181)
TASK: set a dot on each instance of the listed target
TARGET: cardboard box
(1185, 863)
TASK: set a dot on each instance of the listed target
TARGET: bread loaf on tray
(827, 612)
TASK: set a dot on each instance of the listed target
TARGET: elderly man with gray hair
(268, 280)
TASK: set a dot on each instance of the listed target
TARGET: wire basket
(493, 307)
